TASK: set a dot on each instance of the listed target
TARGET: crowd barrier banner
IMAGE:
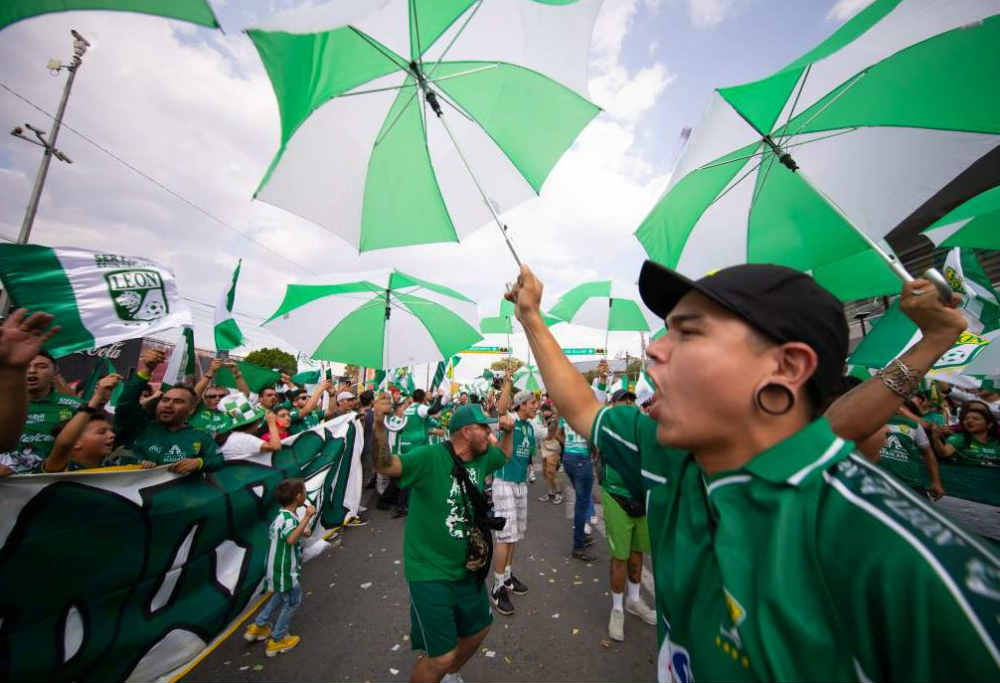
(127, 574)
(961, 480)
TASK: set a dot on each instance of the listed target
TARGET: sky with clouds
(193, 109)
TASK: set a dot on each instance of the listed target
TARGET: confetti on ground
(395, 647)
(366, 585)
(575, 631)
(258, 667)
(589, 565)
(227, 662)
(554, 570)
(246, 654)
(371, 554)
(578, 583)
(485, 650)
(605, 643)
(491, 653)
(394, 672)
(396, 562)
(606, 594)
(507, 659)
(406, 638)
(332, 585)
(383, 550)
(245, 668)
(556, 615)
(596, 580)
(552, 580)
(309, 592)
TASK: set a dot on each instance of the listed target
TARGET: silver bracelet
(900, 379)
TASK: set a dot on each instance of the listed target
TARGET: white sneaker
(593, 519)
(616, 625)
(452, 678)
(586, 528)
(641, 610)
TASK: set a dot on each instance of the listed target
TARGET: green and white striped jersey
(283, 560)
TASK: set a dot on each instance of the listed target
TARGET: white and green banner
(895, 333)
(188, 557)
(227, 333)
(96, 298)
(644, 388)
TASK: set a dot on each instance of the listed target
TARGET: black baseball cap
(622, 395)
(783, 303)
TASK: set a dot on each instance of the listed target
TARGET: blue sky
(193, 108)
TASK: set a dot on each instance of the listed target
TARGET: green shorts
(441, 612)
(625, 534)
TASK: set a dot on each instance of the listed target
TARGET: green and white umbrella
(823, 159)
(527, 377)
(976, 223)
(603, 305)
(388, 107)
(380, 319)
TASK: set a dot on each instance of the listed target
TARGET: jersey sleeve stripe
(659, 479)
(931, 560)
(734, 479)
(943, 519)
(595, 431)
(828, 455)
(628, 444)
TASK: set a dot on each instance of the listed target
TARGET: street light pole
(80, 46)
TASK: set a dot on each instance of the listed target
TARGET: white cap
(345, 396)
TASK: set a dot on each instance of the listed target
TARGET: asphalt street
(354, 619)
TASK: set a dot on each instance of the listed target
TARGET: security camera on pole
(80, 46)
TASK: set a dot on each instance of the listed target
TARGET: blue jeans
(580, 471)
(285, 603)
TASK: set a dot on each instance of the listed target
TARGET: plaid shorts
(510, 500)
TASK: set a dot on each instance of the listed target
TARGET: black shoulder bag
(479, 523)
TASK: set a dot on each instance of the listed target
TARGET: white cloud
(843, 10)
(195, 110)
(708, 13)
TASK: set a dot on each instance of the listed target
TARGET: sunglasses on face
(214, 395)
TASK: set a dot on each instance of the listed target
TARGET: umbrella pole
(436, 106)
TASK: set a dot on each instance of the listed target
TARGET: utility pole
(80, 46)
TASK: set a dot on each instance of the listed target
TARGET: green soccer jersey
(516, 469)
(283, 560)
(158, 444)
(903, 452)
(302, 423)
(434, 543)
(36, 441)
(211, 421)
(575, 444)
(808, 563)
(974, 453)
(410, 429)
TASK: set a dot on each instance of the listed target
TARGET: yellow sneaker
(283, 645)
(255, 633)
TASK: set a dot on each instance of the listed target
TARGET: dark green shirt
(158, 444)
(971, 452)
(808, 563)
(301, 423)
(434, 544)
(36, 441)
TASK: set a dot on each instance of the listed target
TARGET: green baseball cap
(471, 414)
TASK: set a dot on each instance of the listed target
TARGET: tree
(273, 358)
(499, 365)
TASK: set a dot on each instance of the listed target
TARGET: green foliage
(274, 358)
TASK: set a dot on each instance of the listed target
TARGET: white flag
(96, 298)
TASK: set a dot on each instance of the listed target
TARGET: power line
(153, 180)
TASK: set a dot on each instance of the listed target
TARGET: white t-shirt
(241, 445)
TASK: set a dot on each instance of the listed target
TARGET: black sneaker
(399, 512)
(501, 601)
(514, 585)
(585, 555)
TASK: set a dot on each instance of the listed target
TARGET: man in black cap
(778, 553)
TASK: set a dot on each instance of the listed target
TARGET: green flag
(227, 333)
(307, 377)
(257, 377)
(439, 374)
(195, 11)
(102, 369)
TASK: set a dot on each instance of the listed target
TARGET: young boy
(283, 560)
